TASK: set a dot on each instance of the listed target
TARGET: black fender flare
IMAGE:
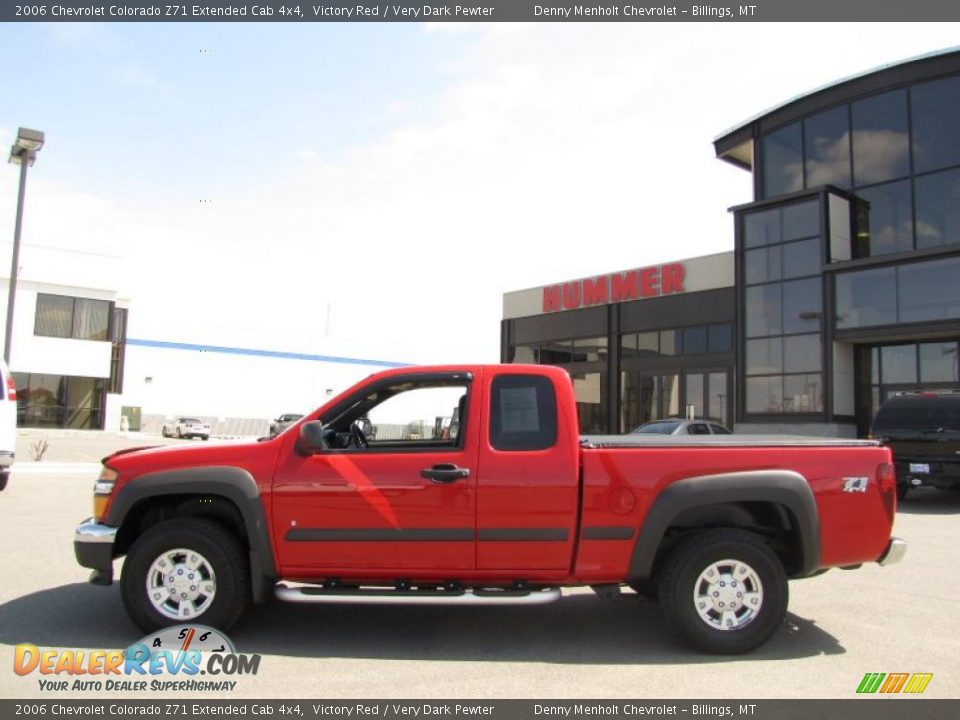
(233, 483)
(783, 487)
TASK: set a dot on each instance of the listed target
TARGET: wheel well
(151, 511)
(771, 521)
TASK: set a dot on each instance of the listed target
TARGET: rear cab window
(523, 413)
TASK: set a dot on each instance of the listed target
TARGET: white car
(8, 423)
(186, 427)
(278, 425)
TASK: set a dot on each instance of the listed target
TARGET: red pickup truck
(360, 502)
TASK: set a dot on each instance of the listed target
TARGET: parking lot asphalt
(841, 625)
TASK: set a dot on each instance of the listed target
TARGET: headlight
(102, 489)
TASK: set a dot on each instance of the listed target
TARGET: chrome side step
(314, 594)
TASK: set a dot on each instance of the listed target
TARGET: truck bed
(638, 440)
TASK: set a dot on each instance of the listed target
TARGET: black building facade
(640, 344)
(845, 282)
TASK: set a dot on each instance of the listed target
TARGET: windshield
(659, 428)
(919, 414)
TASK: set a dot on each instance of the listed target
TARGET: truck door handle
(445, 473)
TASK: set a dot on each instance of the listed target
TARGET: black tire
(680, 578)
(648, 589)
(217, 546)
(204, 437)
(179, 432)
(4, 479)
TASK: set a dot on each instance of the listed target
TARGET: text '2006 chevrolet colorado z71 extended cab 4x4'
(359, 503)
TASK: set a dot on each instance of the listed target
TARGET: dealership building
(843, 286)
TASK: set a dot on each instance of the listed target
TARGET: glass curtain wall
(898, 151)
(783, 305)
(59, 401)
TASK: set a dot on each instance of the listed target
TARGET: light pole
(23, 152)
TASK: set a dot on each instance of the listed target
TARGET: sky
(372, 190)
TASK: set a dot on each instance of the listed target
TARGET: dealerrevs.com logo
(893, 683)
(170, 660)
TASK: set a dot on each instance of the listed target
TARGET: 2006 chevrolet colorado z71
(508, 508)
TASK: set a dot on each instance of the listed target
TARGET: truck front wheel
(724, 590)
(183, 571)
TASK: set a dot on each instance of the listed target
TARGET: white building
(76, 367)
(66, 348)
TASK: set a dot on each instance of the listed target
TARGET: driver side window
(407, 415)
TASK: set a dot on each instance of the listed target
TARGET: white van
(8, 423)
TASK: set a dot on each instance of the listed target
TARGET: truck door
(388, 495)
(529, 473)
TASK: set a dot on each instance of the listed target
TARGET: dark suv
(923, 430)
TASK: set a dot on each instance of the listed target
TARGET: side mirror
(313, 438)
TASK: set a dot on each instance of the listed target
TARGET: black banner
(175, 709)
(481, 11)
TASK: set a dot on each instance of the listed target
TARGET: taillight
(887, 482)
(886, 477)
(11, 388)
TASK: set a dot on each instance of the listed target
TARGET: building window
(899, 364)
(590, 390)
(783, 304)
(881, 142)
(783, 161)
(935, 113)
(556, 353)
(939, 362)
(917, 292)
(69, 317)
(938, 209)
(59, 401)
(866, 298)
(827, 148)
(54, 316)
(695, 340)
(929, 291)
(526, 354)
(764, 310)
(118, 337)
(873, 145)
(910, 367)
(720, 337)
(647, 396)
(884, 219)
(590, 350)
(765, 394)
(761, 228)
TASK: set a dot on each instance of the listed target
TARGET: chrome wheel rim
(728, 595)
(181, 584)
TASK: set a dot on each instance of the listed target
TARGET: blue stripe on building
(263, 353)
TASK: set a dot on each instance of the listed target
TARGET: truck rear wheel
(724, 590)
(183, 571)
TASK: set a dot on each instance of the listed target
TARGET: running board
(314, 594)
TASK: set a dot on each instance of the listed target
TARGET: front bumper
(894, 553)
(93, 546)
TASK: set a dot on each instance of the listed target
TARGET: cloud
(554, 152)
